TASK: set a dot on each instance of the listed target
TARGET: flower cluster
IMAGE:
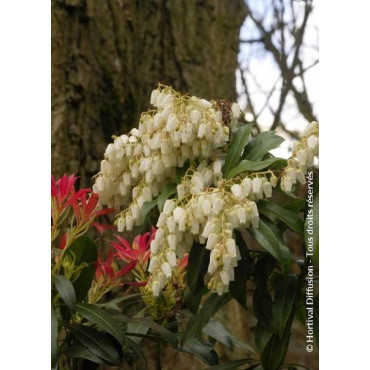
(304, 152)
(208, 215)
(138, 165)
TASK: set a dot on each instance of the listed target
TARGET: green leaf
(217, 331)
(168, 190)
(262, 307)
(192, 301)
(96, 342)
(283, 303)
(274, 352)
(66, 291)
(268, 236)
(291, 219)
(84, 250)
(137, 328)
(247, 165)
(311, 229)
(164, 333)
(316, 320)
(146, 208)
(197, 267)
(262, 335)
(78, 351)
(297, 206)
(258, 147)
(54, 340)
(210, 307)
(103, 319)
(205, 352)
(232, 365)
(236, 148)
(113, 304)
(242, 272)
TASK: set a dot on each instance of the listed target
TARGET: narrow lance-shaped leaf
(103, 319)
(79, 351)
(96, 342)
(291, 219)
(205, 352)
(258, 147)
(83, 250)
(197, 267)
(210, 307)
(247, 165)
(267, 235)
(236, 148)
(217, 331)
(283, 303)
(137, 328)
(66, 291)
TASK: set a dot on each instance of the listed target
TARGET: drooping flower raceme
(138, 165)
(207, 208)
(304, 152)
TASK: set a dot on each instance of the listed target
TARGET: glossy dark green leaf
(210, 307)
(79, 351)
(258, 147)
(283, 303)
(298, 205)
(268, 236)
(291, 219)
(247, 165)
(147, 207)
(54, 340)
(263, 269)
(83, 250)
(164, 333)
(96, 342)
(262, 335)
(137, 328)
(231, 365)
(197, 267)
(167, 191)
(274, 353)
(217, 331)
(102, 319)
(205, 352)
(262, 307)
(66, 291)
(236, 148)
(192, 301)
(136, 349)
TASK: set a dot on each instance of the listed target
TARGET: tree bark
(107, 56)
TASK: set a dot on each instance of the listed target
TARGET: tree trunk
(107, 56)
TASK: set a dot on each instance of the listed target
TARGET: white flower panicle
(138, 165)
(207, 214)
(304, 152)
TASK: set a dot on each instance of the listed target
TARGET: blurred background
(107, 57)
